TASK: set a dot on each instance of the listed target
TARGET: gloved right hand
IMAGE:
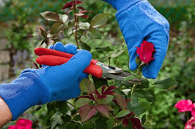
(47, 84)
(139, 21)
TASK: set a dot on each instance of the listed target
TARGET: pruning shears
(96, 68)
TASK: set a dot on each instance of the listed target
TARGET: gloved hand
(63, 83)
(138, 21)
(47, 84)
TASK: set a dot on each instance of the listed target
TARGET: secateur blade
(108, 69)
(110, 72)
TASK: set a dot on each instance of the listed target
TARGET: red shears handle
(52, 58)
(45, 51)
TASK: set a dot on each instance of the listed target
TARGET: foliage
(112, 102)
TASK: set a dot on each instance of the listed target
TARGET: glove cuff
(23, 93)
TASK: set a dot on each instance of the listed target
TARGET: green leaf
(110, 123)
(119, 127)
(103, 49)
(37, 108)
(84, 25)
(56, 27)
(134, 98)
(81, 102)
(87, 86)
(98, 82)
(62, 105)
(66, 118)
(94, 34)
(142, 86)
(63, 17)
(101, 124)
(51, 107)
(117, 53)
(68, 31)
(71, 125)
(116, 109)
(145, 81)
(122, 113)
(99, 20)
(85, 46)
(107, 100)
(151, 99)
(50, 16)
(143, 118)
(142, 93)
(140, 108)
(56, 119)
(77, 118)
(166, 83)
(71, 23)
(88, 125)
(85, 38)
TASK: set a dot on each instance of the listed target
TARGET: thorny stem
(139, 71)
(108, 61)
(133, 88)
(75, 19)
(84, 33)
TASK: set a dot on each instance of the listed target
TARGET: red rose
(146, 51)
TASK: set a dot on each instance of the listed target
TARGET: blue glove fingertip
(70, 48)
(59, 47)
(132, 65)
(149, 74)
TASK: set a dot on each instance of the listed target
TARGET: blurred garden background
(20, 34)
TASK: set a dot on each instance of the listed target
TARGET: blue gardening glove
(138, 21)
(47, 84)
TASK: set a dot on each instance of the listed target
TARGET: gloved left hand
(47, 84)
(139, 21)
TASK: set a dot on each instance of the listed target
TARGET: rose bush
(111, 103)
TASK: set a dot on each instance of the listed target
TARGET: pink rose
(146, 51)
(190, 124)
(22, 124)
(184, 105)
